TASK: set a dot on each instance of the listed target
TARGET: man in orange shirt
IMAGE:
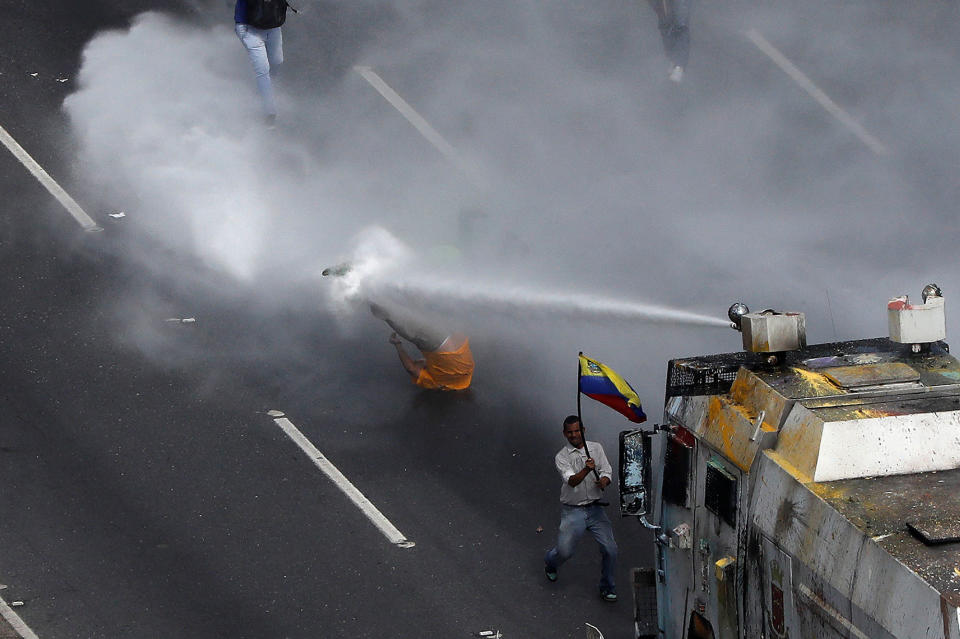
(447, 363)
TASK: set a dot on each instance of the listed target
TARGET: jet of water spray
(381, 268)
(420, 291)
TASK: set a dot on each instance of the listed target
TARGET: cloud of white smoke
(604, 185)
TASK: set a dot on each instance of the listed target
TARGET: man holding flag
(581, 509)
(581, 506)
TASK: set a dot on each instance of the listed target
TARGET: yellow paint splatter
(817, 383)
(828, 493)
(871, 413)
(795, 472)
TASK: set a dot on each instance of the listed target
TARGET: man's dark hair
(571, 419)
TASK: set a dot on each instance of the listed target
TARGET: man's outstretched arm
(409, 364)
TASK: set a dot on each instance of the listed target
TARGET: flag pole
(583, 432)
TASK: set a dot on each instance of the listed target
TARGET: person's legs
(409, 326)
(680, 32)
(253, 40)
(274, 41)
(664, 23)
(660, 6)
(573, 524)
(599, 526)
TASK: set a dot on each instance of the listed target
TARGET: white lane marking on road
(14, 620)
(365, 505)
(816, 93)
(418, 122)
(48, 182)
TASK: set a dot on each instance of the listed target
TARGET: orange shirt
(447, 370)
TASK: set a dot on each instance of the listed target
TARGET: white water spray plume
(732, 185)
(382, 267)
(521, 300)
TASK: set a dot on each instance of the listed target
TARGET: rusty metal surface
(816, 376)
(886, 405)
(849, 409)
(871, 374)
(882, 506)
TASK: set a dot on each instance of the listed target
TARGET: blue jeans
(576, 520)
(265, 48)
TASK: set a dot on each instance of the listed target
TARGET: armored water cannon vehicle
(804, 491)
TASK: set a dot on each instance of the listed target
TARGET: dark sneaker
(336, 271)
(551, 574)
(608, 595)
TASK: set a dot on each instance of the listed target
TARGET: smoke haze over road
(604, 185)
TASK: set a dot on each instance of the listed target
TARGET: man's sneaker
(608, 595)
(676, 74)
(551, 574)
(336, 271)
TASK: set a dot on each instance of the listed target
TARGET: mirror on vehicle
(634, 472)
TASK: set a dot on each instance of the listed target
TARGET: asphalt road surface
(145, 491)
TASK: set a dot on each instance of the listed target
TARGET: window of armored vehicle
(720, 495)
(676, 471)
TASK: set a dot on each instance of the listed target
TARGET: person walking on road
(585, 471)
(673, 20)
(258, 27)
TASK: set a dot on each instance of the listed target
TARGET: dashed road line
(419, 123)
(48, 182)
(816, 93)
(365, 505)
(14, 620)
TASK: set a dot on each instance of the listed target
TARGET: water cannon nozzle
(930, 290)
(736, 312)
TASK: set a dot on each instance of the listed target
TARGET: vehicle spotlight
(930, 290)
(736, 311)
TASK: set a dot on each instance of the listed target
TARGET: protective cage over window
(721, 492)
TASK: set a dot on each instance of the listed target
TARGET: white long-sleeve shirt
(570, 461)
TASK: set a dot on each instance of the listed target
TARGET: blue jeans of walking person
(574, 522)
(265, 48)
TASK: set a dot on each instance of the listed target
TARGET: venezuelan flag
(600, 382)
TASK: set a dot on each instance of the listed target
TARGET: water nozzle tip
(736, 311)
